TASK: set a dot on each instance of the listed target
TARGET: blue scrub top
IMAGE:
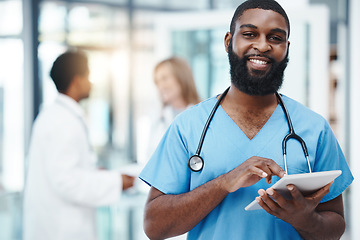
(226, 147)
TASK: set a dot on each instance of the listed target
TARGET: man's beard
(256, 85)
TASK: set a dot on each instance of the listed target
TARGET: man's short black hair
(261, 4)
(66, 67)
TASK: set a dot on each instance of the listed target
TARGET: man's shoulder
(54, 115)
(301, 111)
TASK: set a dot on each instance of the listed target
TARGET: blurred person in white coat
(64, 186)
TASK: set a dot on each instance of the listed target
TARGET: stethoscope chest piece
(196, 163)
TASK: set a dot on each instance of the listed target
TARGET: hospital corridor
(90, 91)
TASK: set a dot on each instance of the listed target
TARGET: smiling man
(258, 71)
(203, 188)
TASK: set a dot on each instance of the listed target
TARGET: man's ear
(227, 40)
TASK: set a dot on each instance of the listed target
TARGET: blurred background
(124, 40)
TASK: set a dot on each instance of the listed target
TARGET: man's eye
(248, 34)
(276, 38)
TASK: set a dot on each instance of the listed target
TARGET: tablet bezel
(307, 183)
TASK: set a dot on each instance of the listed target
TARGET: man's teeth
(256, 61)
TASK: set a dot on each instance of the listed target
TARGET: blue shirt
(225, 147)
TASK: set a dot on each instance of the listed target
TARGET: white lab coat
(63, 186)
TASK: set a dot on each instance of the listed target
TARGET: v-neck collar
(254, 146)
(232, 140)
(277, 113)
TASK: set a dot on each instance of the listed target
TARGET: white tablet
(307, 183)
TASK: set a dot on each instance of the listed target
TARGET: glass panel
(11, 119)
(11, 216)
(110, 220)
(11, 115)
(98, 105)
(117, 2)
(186, 4)
(156, 3)
(227, 4)
(145, 95)
(89, 25)
(144, 19)
(119, 74)
(97, 26)
(174, 4)
(11, 18)
(204, 49)
(219, 62)
(52, 22)
(102, 32)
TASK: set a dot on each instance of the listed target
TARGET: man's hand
(312, 219)
(163, 211)
(128, 181)
(296, 211)
(250, 172)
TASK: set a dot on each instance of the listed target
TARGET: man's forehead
(261, 17)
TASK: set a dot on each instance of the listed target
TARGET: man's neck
(237, 99)
(72, 94)
(249, 112)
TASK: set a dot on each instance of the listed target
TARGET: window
(11, 97)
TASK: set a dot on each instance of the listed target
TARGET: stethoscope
(196, 162)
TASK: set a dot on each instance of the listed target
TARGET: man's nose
(262, 45)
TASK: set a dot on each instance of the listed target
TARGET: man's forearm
(171, 215)
(324, 225)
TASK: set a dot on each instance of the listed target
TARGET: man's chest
(250, 123)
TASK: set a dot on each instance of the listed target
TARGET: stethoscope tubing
(290, 135)
(196, 162)
(209, 120)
